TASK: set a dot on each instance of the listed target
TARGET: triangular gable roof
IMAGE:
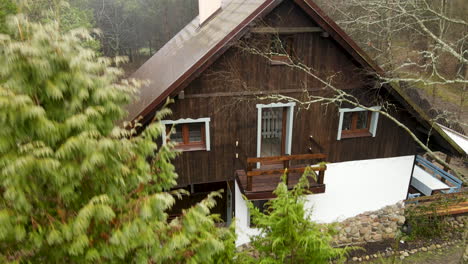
(195, 48)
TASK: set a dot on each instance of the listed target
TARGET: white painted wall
(243, 231)
(206, 8)
(352, 188)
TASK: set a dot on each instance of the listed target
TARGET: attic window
(189, 134)
(281, 48)
(357, 122)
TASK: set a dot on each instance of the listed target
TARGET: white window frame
(373, 123)
(289, 125)
(205, 120)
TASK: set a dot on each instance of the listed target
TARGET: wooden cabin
(233, 138)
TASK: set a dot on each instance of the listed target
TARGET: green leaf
(54, 237)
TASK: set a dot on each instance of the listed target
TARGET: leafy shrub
(425, 221)
(288, 235)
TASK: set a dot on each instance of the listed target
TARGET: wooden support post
(286, 170)
(249, 178)
(321, 175)
(448, 158)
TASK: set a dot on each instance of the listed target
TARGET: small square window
(281, 47)
(357, 123)
(189, 134)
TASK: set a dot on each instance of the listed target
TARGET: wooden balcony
(259, 183)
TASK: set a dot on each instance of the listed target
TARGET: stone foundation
(371, 226)
(380, 225)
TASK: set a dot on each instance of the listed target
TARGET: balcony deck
(259, 184)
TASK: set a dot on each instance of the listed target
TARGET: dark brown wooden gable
(345, 41)
(289, 14)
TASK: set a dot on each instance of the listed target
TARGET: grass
(445, 93)
(450, 255)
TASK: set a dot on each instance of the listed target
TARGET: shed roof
(196, 47)
(460, 139)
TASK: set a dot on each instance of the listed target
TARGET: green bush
(424, 220)
(7, 7)
(288, 234)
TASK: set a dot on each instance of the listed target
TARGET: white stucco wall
(352, 188)
(241, 211)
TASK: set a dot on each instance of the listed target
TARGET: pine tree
(74, 187)
(288, 235)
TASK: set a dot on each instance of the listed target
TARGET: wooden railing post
(321, 176)
(448, 158)
(249, 178)
(286, 170)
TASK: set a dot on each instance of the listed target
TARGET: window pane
(347, 120)
(195, 132)
(272, 134)
(362, 119)
(176, 136)
(277, 46)
(281, 44)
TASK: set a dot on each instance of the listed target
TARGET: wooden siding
(215, 94)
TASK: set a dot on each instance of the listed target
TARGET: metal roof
(187, 50)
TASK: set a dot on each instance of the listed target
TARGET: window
(357, 122)
(265, 127)
(282, 49)
(189, 134)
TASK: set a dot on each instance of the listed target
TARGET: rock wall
(371, 226)
(458, 222)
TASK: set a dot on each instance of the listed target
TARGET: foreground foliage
(74, 188)
(425, 220)
(7, 7)
(288, 234)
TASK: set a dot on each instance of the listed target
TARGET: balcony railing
(263, 174)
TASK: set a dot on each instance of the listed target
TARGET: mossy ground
(448, 255)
